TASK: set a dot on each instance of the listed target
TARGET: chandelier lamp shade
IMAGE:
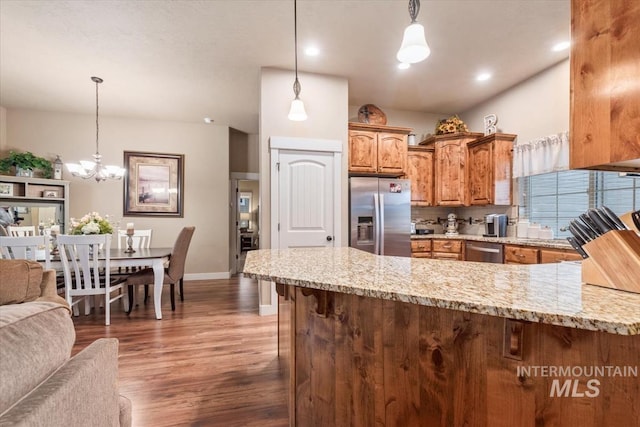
(94, 168)
(414, 46)
(297, 112)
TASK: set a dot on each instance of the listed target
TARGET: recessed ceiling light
(312, 51)
(561, 46)
(208, 120)
(404, 65)
(483, 76)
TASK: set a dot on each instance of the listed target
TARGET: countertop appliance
(483, 252)
(495, 225)
(380, 215)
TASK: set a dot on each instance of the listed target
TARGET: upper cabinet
(605, 85)
(375, 149)
(450, 167)
(420, 172)
(490, 161)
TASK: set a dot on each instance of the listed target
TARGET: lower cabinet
(447, 249)
(558, 255)
(520, 254)
(421, 248)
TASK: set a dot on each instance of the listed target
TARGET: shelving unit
(26, 192)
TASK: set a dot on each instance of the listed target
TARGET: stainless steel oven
(483, 252)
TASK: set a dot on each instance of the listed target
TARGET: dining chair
(87, 272)
(34, 248)
(140, 239)
(173, 274)
(24, 230)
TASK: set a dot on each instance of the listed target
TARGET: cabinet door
(558, 255)
(605, 109)
(520, 255)
(481, 174)
(450, 173)
(392, 153)
(420, 172)
(363, 151)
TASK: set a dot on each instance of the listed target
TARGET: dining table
(156, 258)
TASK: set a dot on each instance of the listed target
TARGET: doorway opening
(245, 218)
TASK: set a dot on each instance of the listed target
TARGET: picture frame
(153, 184)
(50, 193)
(6, 189)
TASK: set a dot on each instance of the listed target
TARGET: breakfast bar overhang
(375, 340)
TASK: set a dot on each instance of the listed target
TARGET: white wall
(206, 177)
(536, 107)
(326, 102)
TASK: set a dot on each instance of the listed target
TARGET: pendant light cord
(97, 124)
(295, 33)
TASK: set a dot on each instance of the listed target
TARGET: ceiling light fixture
(297, 112)
(483, 77)
(414, 46)
(312, 51)
(208, 120)
(404, 65)
(95, 169)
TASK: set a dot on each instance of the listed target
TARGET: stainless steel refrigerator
(380, 215)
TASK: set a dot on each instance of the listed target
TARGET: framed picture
(50, 193)
(153, 184)
(6, 189)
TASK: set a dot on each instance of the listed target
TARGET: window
(554, 199)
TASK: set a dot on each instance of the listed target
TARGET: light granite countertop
(545, 293)
(542, 243)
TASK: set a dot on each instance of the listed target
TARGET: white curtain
(541, 155)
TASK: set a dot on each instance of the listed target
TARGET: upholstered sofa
(40, 383)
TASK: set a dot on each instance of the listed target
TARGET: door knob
(329, 238)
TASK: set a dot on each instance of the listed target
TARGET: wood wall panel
(371, 362)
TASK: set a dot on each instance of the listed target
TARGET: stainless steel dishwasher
(483, 252)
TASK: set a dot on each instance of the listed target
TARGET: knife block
(614, 261)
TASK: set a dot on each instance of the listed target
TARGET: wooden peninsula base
(362, 361)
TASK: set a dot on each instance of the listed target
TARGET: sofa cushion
(83, 392)
(37, 338)
(19, 281)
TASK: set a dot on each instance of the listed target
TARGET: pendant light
(297, 112)
(95, 169)
(414, 46)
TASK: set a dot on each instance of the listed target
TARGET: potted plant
(25, 164)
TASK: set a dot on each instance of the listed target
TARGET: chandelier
(95, 169)
(414, 46)
(297, 112)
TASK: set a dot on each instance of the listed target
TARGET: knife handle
(577, 247)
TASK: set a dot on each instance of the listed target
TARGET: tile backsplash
(464, 214)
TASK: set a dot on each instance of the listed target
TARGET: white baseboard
(207, 276)
(267, 310)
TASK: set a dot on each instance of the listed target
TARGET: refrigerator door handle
(381, 226)
(376, 224)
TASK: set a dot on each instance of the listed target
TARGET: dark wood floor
(212, 362)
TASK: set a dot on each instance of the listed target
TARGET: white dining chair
(86, 272)
(34, 248)
(140, 239)
(24, 230)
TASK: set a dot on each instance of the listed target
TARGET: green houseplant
(27, 161)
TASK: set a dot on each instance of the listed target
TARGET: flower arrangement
(451, 125)
(91, 223)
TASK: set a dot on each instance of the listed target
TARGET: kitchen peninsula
(375, 340)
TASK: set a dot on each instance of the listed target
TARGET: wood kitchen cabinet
(489, 165)
(605, 76)
(420, 172)
(451, 167)
(421, 248)
(558, 255)
(375, 149)
(514, 254)
(447, 249)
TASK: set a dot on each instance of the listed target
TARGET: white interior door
(305, 192)
(306, 199)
